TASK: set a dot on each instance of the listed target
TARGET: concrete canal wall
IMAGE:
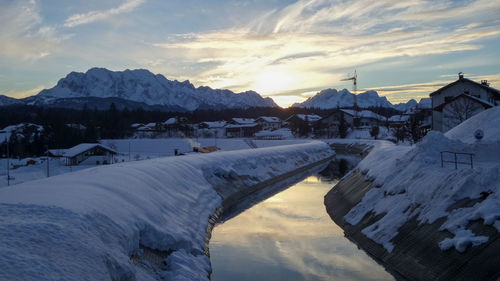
(416, 255)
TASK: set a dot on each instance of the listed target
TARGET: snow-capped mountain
(331, 98)
(405, 107)
(142, 86)
(7, 101)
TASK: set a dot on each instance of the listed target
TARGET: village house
(178, 127)
(85, 154)
(366, 118)
(398, 120)
(269, 123)
(241, 121)
(459, 109)
(211, 129)
(457, 101)
(242, 131)
(241, 128)
(302, 124)
(329, 125)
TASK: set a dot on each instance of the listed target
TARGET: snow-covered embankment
(442, 219)
(94, 224)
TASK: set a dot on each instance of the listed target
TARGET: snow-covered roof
(76, 126)
(150, 125)
(75, 150)
(244, 120)
(480, 100)
(171, 121)
(399, 118)
(485, 103)
(136, 125)
(144, 128)
(487, 121)
(364, 114)
(57, 152)
(215, 124)
(309, 117)
(465, 80)
(269, 119)
(11, 128)
(242, 125)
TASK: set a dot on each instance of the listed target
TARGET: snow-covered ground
(88, 224)
(152, 148)
(410, 183)
(140, 149)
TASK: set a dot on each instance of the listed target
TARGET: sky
(287, 50)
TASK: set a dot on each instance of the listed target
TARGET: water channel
(289, 236)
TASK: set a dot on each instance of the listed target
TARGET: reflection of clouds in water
(330, 260)
(294, 232)
(288, 214)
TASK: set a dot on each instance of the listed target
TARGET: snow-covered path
(86, 225)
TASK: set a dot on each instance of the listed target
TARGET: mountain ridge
(332, 98)
(143, 87)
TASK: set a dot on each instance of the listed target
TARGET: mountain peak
(143, 86)
(331, 98)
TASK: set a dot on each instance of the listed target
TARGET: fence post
(471, 163)
(456, 164)
(442, 159)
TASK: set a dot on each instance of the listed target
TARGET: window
(448, 99)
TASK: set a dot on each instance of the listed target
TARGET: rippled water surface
(289, 237)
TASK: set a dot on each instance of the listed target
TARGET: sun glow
(272, 81)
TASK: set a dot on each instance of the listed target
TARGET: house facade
(88, 154)
(461, 108)
(242, 131)
(470, 91)
(269, 123)
(366, 118)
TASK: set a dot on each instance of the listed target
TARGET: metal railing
(455, 160)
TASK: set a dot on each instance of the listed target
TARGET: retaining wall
(416, 255)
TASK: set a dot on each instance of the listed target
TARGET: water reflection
(289, 236)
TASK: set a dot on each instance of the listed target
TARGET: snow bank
(87, 225)
(165, 147)
(410, 183)
(484, 121)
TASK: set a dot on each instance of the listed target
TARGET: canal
(289, 236)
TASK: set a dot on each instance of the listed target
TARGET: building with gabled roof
(470, 92)
(241, 121)
(366, 118)
(269, 123)
(461, 108)
(85, 154)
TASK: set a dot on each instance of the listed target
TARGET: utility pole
(47, 153)
(7, 141)
(128, 150)
(8, 164)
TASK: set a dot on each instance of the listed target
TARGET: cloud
(23, 33)
(311, 43)
(403, 92)
(93, 16)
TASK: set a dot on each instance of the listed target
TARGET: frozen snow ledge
(95, 224)
(424, 221)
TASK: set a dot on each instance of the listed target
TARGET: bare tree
(459, 110)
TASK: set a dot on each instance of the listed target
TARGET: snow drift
(89, 224)
(409, 182)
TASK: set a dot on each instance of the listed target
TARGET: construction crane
(354, 79)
